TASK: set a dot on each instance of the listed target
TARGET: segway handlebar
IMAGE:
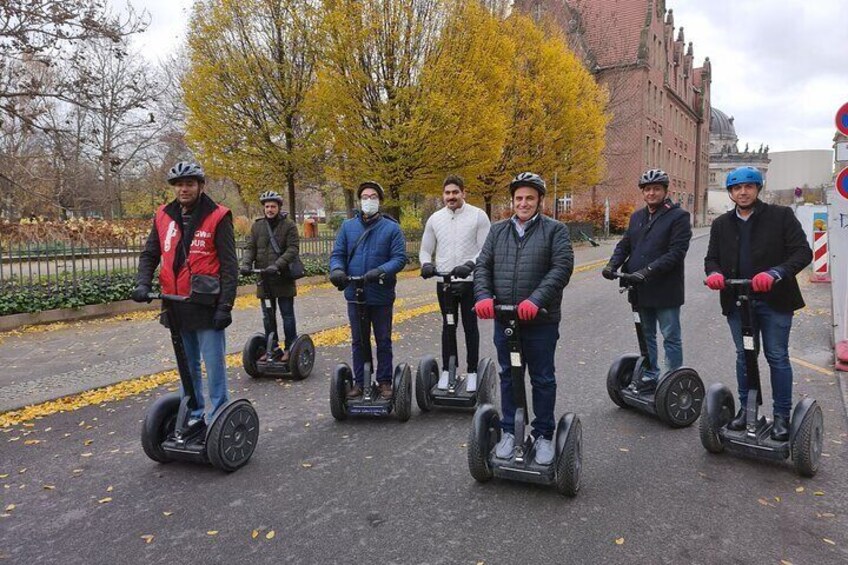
(628, 278)
(513, 308)
(737, 282)
(448, 274)
(361, 278)
(171, 297)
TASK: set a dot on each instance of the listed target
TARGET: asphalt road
(382, 491)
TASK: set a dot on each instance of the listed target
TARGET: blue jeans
(286, 305)
(380, 318)
(211, 345)
(772, 329)
(538, 344)
(669, 321)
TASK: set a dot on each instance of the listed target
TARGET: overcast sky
(780, 67)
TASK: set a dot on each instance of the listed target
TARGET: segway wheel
(807, 443)
(233, 435)
(302, 357)
(679, 398)
(159, 423)
(340, 383)
(569, 461)
(618, 378)
(716, 411)
(487, 381)
(402, 398)
(426, 375)
(485, 434)
(253, 350)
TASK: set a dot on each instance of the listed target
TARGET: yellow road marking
(810, 366)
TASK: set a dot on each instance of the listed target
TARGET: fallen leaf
(270, 535)
(828, 515)
(166, 513)
(147, 538)
(10, 507)
(32, 442)
(49, 487)
(828, 541)
(785, 562)
(88, 454)
(306, 425)
(254, 534)
(799, 489)
(777, 499)
(212, 533)
(306, 465)
(624, 449)
(619, 541)
(88, 442)
(819, 493)
(763, 501)
(105, 500)
(4, 475)
(109, 488)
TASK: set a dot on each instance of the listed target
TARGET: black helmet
(654, 176)
(531, 180)
(270, 196)
(370, 184)
(185, 170)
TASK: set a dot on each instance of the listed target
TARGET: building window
(565, 204)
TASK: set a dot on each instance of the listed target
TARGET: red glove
(762, 282)
(485, 309)
(527, 310)
(715, 281)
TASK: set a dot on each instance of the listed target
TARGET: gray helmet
(531, 180)
(185, 170)
(370, 184)
(270, 196)
(654, 176)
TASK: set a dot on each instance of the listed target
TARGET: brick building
(659, 100)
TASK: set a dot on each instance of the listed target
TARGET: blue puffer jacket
(384, 247)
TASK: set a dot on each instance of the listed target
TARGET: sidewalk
(41, 366)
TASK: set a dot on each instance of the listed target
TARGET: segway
(483, 463)
(261, 354)
(806, 426)
(427, 392)
(370, 403)
(678, 396)
(168, 434)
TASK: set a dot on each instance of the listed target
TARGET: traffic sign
(842, 119)
(842, 183)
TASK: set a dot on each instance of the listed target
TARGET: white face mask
(369, 206)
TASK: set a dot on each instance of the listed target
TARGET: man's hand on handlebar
(140, 294)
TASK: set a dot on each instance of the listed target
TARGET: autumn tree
(252, 63)
(556, 118)
(409, 91)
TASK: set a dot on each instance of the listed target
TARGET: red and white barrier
(821, 263)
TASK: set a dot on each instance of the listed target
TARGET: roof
(613, 28)
(721, 125)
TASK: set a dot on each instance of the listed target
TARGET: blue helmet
(742, 175)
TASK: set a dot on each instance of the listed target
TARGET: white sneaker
(471, 382)
(544, 451)
(443, 381)
(505, 447)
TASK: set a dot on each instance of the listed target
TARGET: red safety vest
(202, 255)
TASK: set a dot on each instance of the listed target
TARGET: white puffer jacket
(452, 238)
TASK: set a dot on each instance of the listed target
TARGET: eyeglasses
(371, 197)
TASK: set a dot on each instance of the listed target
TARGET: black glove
(139, 293)
(608, 272)
(245, 270)
(374, 275)
(338, 278)
(641, 275)
(462, 271)
(428, 270)
(272, 270)
(222, 318)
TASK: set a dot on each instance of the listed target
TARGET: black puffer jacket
(777, 242)
(538, 267)
(260, 253)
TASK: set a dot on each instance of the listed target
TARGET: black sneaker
(645, 386)
(738, 423)
(780, 429)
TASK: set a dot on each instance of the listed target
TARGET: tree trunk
(394, 209)
(290, 188)
(348, 196)
(488, 200)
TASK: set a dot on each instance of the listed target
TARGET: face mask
(370, 207)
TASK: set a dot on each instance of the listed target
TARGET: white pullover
(454, 237)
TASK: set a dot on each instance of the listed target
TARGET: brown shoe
(386, 391)
(284, 356)
(263, 357)
(355, 392)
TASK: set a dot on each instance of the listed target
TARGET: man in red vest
(193, 240)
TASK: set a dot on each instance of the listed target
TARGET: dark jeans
(286, 305)
(771, 328)
(538, 344)
(463, 301)
(380, 318)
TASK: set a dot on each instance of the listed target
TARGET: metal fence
(64, 263)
